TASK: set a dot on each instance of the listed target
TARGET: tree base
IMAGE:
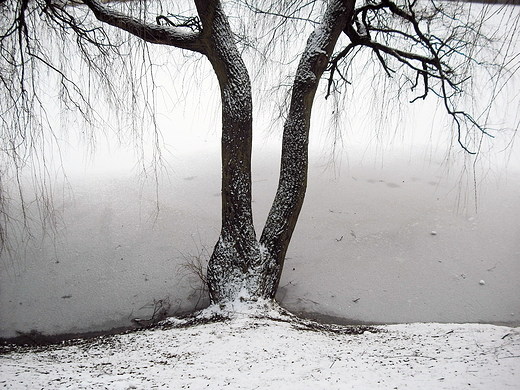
(246, 311)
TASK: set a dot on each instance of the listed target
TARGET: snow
(273, 350)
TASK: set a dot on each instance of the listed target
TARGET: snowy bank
(262, 353)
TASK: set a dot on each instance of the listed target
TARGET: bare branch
(425, 83)
(383, 63)
(436, 45)
(153, 33)
(333, 67)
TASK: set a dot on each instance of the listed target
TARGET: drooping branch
(405, 33)
(425, 83)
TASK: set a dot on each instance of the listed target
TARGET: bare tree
(432, 46)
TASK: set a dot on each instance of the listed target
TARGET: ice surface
(363, 249)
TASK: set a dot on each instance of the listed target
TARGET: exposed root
(259, 310)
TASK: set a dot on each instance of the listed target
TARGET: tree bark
(236, 259)
(292, 184)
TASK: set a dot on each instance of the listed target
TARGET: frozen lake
(391, 242)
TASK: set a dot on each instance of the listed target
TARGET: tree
(433, 46)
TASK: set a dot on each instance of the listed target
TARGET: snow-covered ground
(276, 352)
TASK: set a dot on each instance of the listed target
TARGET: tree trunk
(292, 184)
(235, 265)
(240, 266)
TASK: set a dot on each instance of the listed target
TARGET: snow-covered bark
(236, 265)
(292, 184)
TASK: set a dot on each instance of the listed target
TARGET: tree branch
(399, 32)
(153, 33)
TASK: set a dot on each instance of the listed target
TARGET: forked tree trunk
(240, 266)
